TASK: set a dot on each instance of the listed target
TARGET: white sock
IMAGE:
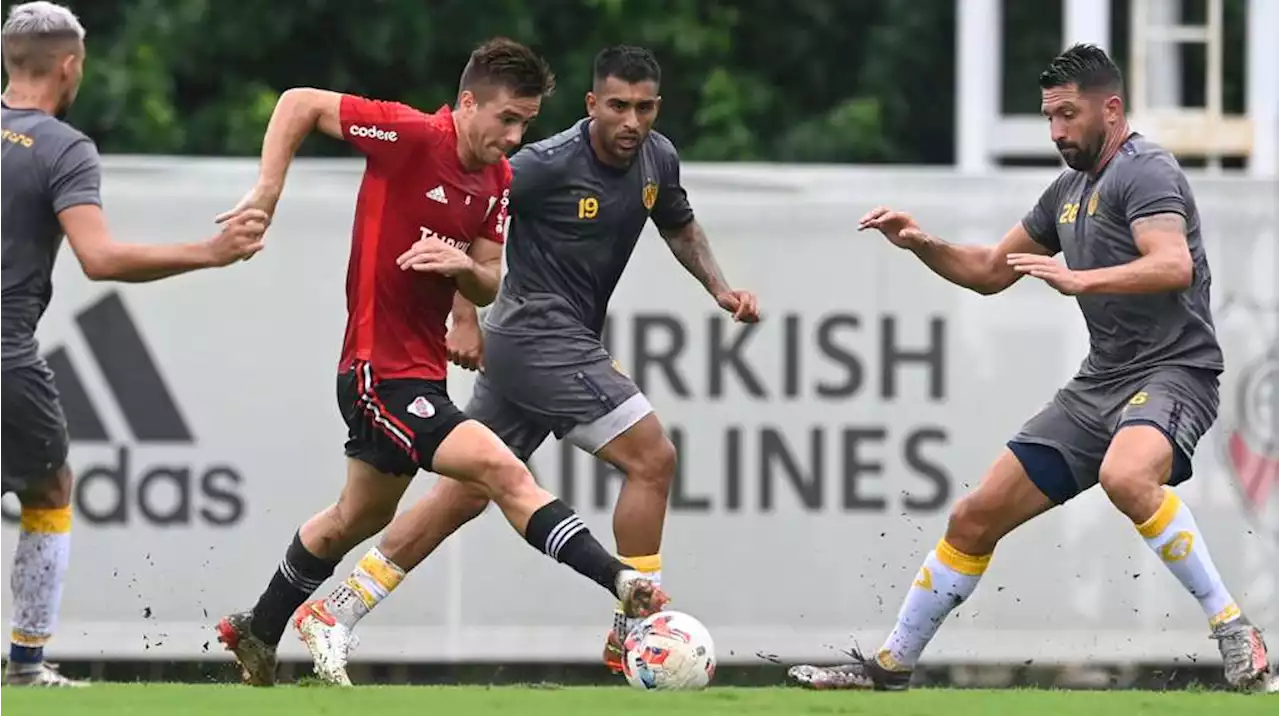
(39, 569)
(947, 578)
(1173, 535)
(650, 566)
(373, 580)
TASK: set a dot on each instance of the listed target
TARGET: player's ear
(467, 101)
(1113, 108)
(591, 103)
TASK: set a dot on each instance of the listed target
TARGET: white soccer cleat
(45, 675)
(328, 641)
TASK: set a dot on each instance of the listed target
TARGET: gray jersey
(48, 166)
(575, 222)
(1088, 220)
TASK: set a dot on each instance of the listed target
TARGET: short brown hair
(507, 64)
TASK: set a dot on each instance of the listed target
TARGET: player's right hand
(897, 226)
(465, 345)
(240, 237)
(261, 199)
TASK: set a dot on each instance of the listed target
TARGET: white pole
(978, 45)
(1262, 58)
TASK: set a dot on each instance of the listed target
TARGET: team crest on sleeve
(649, 194)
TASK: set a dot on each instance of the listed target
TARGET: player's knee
(467, 499)
(357, 521)
(975, 525)
(655, 465)
(1125, 482)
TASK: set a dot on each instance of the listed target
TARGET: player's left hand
(432, 255)
(1047, 269)
(742, 304)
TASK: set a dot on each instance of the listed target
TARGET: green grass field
(186, 700)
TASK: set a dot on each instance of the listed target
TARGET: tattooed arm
(690, 246)
(1165, 264)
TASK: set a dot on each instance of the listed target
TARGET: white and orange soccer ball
(669, 651)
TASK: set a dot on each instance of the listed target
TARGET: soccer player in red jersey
(442, 177)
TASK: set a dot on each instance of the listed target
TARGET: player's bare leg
(473, 457)
(39, 568)
(366, 505)
(1005, 499)
(1137, 465)
(645, 455)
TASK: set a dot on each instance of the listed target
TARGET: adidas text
(373, 133)
(118, 493)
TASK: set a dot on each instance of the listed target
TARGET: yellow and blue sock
(39, 569)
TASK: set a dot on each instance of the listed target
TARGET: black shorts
(34, 435)
(395, 425)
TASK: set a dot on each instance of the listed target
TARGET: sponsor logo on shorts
(421, 407)
(372, 132)
(126, 484)
(1139, 398)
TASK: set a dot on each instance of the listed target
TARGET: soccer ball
(669, 651)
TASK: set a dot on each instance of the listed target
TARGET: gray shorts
(34, 437)
(565, 383)
(1078, 424)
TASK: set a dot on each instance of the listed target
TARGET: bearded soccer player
(580, 200)
(441, 178)
(51, 189)
(1125, 220)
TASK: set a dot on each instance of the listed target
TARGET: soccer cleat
(639, 598)
(256, 658)
(328, 641)
(863, 674)
(40, 675)
(1244, 654)
(613, 652)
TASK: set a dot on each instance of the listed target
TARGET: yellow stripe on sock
(1163, 516)
(1230, 613)
(959, 561)
(387, 575)
(55, 521)
(27, 639)
(648, 563)
(365, 595)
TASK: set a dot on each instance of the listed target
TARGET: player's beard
(68, 99)
(1083, 157)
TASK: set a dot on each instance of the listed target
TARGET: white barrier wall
(820, 450)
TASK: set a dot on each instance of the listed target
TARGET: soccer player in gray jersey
(580, 200)
(50, 188)
(1125, 220)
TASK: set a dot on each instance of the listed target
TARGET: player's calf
(472, 453)
(40, 563)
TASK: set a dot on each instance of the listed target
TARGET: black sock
(561, 534)
(299, 575)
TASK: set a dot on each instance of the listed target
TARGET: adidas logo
(152, 417)
(437, 194)
(130, 374)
